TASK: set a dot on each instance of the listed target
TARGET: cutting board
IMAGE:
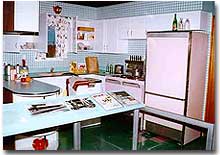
(92, 64)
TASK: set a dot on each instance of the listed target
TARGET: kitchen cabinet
(132, 27)
(107, 37)
(177, 82)
(133, 87)
(59, 81)
(7, 96)
(110, 35)
(57, 35)
(99, 35)
(163, 22)
(21, 16)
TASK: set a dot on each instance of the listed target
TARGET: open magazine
(124, 98)
(114, 100)
(72, 104)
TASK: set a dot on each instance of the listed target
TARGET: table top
(17, 118)
(31, 88)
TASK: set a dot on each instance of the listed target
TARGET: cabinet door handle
(113, 81)
(131, 33)
(127, 33)
(130, 84)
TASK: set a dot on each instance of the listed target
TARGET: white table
(17, 119)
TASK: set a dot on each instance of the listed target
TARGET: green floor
(115, 133)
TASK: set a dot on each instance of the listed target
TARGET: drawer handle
(131, 84)
(113, 81)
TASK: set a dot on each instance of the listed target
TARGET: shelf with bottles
(85, 38)
(85, 33)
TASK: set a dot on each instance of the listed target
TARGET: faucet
(52, 69)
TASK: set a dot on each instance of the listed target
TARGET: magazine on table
(107, 101)
(124, 98)
(114, 100)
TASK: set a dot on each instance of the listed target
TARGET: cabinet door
(135, 89)
(26, 16)
(8, 16)
(99, 35)
(165, 23)
(123, 28)
(137, 27)
(59, 81)
(111, 35)
(112, 84)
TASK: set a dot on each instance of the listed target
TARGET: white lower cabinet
(59, 81)
(133, 87)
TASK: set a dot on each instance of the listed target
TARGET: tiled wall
(139, 8)
(137, 47)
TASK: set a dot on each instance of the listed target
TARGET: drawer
(165, 104)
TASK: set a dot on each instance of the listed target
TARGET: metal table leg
(76, 136)
(135, 129)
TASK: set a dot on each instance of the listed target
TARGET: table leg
(135, 129)
(76, 136)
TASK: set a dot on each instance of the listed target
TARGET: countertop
(31, 88)
(36, 87)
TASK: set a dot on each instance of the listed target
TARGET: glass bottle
(181, 24)
(107, 68)
(111, 69)
(174, 26)
(187, 24)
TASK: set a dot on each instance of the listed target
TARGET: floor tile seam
(111, 144)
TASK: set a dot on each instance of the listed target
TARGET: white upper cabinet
(99, 35)
(132, 27)
(163, 22)
(110, 35)
(137, 27)
(26, 16)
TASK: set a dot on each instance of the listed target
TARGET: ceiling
(95, 3)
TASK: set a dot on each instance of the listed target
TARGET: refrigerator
(175, 80)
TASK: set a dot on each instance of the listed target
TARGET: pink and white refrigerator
(175, 80)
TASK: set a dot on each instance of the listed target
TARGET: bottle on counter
(174, 26)
(24, 68)
(111, 69)
(8, 70)
(18, 69)
(180, 26)
(107, 68)
(13, 73)
(187, 24)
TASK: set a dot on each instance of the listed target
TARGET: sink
(56, 74)
(51, 74)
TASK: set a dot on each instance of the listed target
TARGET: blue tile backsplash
(136, 47)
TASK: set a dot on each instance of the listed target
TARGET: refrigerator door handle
(171, 97)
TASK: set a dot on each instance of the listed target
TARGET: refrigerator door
(166, 71)
(165, 104)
